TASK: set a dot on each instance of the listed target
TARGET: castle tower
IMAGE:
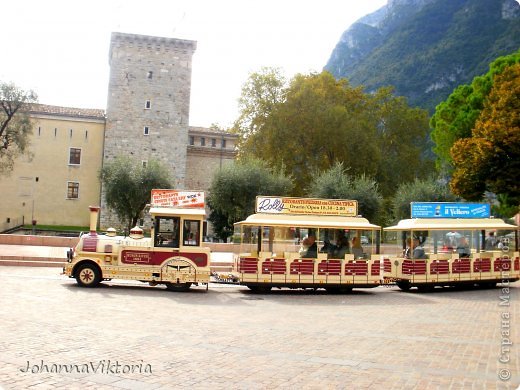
(148, 102)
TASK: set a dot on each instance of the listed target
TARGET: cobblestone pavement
(228, 338)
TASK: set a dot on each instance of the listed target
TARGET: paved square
(126, 335)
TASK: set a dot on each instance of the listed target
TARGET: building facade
(58, 183)
(208, 151)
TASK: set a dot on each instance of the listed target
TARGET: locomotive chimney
(94, 211)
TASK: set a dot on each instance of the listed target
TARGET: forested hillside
(425, 48)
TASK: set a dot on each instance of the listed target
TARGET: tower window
(74, 156)
(146, 130)
(72, 190)
(149, 75)
(148, 105)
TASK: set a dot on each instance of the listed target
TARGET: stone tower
(148, 102)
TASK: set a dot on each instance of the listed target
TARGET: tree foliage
(426, 190)
(233, 192)
(489, 160)
(318, 121)
(402, 138)
(15, 125)
(335, 183)
(260, 94)
(455, 118)
(127, 185)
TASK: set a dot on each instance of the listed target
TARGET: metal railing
(11, 223)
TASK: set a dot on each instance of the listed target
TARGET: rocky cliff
(425, 48)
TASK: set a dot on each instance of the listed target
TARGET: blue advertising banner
(450, 210)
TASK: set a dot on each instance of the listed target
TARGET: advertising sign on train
(177, 199)
(450, 210)
(286, 205)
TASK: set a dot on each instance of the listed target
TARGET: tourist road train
(305, 243)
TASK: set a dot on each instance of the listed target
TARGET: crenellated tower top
(134, 41)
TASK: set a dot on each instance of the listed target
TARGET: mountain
(426, 48)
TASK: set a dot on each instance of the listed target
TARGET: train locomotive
(172, 255)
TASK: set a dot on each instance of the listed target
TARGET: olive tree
(233, 192)
(127, 185)
(335, 183)
(427, 190)
(15, 124)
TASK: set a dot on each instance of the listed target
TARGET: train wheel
(332, 290)
(338, 290)
(88, 275)
(260, 289)
(403, 285)
(178, 287)
(425, 288)
(487, 285)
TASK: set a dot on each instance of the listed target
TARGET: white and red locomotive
(274, 251)
(172, 255)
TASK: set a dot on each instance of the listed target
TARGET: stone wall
(26, 239)
(148, 102)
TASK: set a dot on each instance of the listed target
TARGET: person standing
(490, 242)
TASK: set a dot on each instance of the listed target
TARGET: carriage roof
(312, 221)
(451, 224)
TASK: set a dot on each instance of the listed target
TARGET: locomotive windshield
(167, 232)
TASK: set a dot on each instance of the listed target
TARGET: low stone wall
(24, 239)
(222, 247)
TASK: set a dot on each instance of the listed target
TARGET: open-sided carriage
(451, 244)
(307, 243)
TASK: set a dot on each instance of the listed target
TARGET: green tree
(15, 124)
(335, 183)
(128, 184)
(317, 121)
(504, 208)
(426, 190)
(402, 138)
(262, 91)
(233, 192)
(489, 160)
(321, 121)
(455, 118)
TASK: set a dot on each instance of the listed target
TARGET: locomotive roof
(451, 224)
(177, 211)
(321, 221)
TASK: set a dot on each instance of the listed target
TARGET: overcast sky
(59, 48)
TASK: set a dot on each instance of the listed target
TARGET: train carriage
(273, 250)
(451, 244)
